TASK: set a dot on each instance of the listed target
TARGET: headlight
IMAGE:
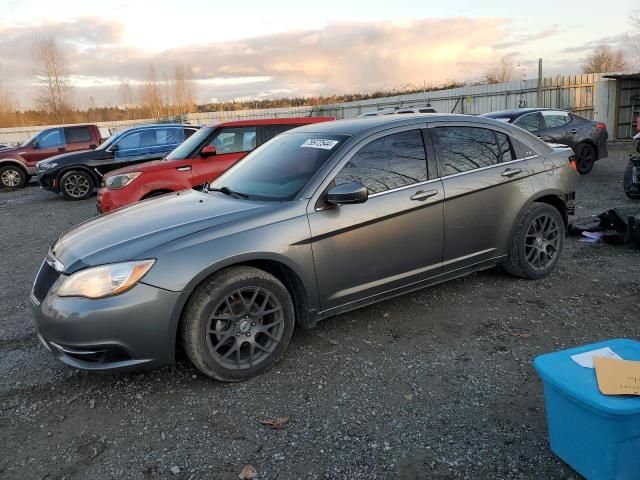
(105, 280)
(122, 180)
(46, 166)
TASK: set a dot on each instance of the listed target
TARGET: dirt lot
(435, 384)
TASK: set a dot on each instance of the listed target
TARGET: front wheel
(536, 243)
(585, 158)
(238, 324)
(76, 185)
(631, 189)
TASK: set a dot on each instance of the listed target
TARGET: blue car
(77, 174)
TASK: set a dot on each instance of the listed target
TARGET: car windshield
(279, 169)
(185, 149)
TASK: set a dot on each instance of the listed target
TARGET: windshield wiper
(228, 191)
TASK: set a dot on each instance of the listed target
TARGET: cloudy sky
(257, 49)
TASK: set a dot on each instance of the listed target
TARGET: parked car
(18, 164)
(318, 221)
(75, 175)
(587, 138)
(398, 111)
(199, 160)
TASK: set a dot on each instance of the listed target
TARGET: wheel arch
(285, 273)
(157, 191)
(13, 161)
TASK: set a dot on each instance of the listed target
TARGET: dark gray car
(587, 138)
(320, 220)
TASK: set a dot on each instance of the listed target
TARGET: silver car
(320, 220)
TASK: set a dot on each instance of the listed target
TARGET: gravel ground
(434, 384)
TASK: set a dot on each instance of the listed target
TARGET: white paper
(322, 143)
(586, 359)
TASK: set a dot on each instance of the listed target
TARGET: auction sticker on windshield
(322, 143)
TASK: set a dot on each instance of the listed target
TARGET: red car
(200, 159)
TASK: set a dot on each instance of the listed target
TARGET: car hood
(10, 149)
(74, 157)
(149, 167)
(129, 233)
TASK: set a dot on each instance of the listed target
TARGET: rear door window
(271, 131)
(234, 140)
(529, 122)
(467, 148)
(78, 134)
(555, 119)
(394, 161)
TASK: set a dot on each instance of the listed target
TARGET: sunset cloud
(339, 57)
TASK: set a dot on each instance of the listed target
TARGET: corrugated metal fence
(575, 92)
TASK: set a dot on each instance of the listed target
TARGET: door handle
(183, 169)
(510, 172)
(61, 149)
(423, 194)
(573, 130)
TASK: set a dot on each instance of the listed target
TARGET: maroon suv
(18, 164)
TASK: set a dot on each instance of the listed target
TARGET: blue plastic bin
(598, 435)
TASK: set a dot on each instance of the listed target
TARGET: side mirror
(114, 148)
(208, 151)
(35, 145)
(347, 193)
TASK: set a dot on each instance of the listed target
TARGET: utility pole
(539, 100)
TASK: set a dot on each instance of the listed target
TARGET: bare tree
(183, 98)
(125, 95)
(604, 59)
(151, 96)
(8, 105)
(633, 37)
(504, 71)
(56, 90)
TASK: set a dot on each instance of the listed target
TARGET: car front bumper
(47, 182)
(136, 328)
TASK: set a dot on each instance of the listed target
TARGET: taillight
(601, 126)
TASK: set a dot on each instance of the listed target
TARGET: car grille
(47, 276)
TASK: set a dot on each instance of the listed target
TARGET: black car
(76, 174)
(587, 138)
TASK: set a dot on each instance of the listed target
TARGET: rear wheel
(12, 177)
(632, 190)
(585, 158)
(238, 324)
(536, 243)
(76, 185)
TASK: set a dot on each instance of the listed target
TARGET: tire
(77, 185)
(630, 190)
(537, 242)
(12, 177)
(585, 158)
(222, 324)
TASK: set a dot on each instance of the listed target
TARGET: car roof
(159, 125)
(517, 112)
(360, 125)
(273, 121)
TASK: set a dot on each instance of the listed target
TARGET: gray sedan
(320, 220)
